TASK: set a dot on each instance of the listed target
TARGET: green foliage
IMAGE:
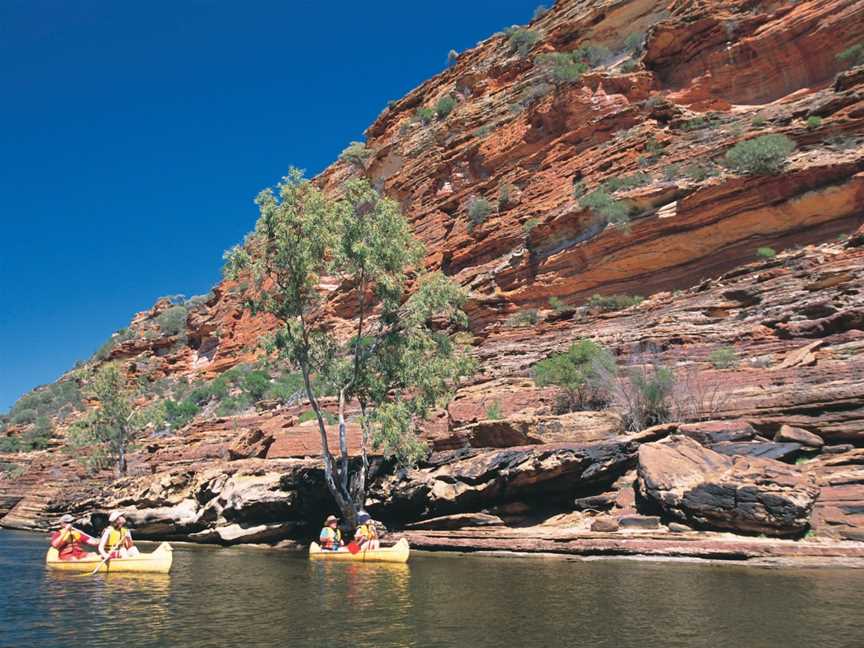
(424, 114)
(593, 55)
(629, 66)
(723, 358)
(503, 196)
(179, 414)
(557, 305)
(10, 444)
(356, 153)
(39, 436)
(563, 67)
(671, 172)
(612, 211)
(286, 387)
(234, 404)
(609, 303)
(398, 365)
(580, 373)
(255, 384)
(24, 417)
(445, 106)
(309, 415)
(578, 188)
(648, 390)
(478, 210)
(700, 122)
(483, 131)
(761, 155)
(814, 122)
(493, 412)
(852, 56)
(638, 179)
(527, 317)
(11, 471)
(759, 121)
(540, 11)
(172, 321)
(766, 253)
(529, 225)
(698, 172)
(634, 42)
(521, 40)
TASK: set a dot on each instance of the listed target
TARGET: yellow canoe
(159, 561)
(398, 553)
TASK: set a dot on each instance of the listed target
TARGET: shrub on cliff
(424, 115)
(445, 106)
(173, 320)
(612, 211)
(610, 303)
(521, 40)
(766, 253)
(478, 211)
(398, 366)
(852, 56)
(581, 373)
(356, 153)
(562, 67)
(761, 155)
(723, 358)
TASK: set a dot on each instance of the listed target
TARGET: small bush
(766, 253)
(761, 155)
(563, 67)
(593, 55)
(286, 387)
(612, 211)
(104, 351)
(521, 40)
(852, 56)
(557, 305)
(179, 414)
(578, 188)
(39, 436)
(493, 412)
(478, 210)
(634, 42)
(540, 11)
(483, 131)
(309, 415)
(255, 384)
(580, 373)
(527, 317)
(638, 179)
(646, 394)
(629, 66)
(357, 154)
(445, 106)
(424, 115)
(503, 196)
(529, 225)
(234, 405)
(698, 172)
(173, 320)
(723, 358)
(10, 444)
(813, 122)
(671, 172)
(609, 303)
(24, 417)
(758, 121)
(452, 57)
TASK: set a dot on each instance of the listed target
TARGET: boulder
(696, 485)
(710, 432)
(253, 444)
(644, 522)
(798, 435)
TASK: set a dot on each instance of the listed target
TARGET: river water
(246, 597)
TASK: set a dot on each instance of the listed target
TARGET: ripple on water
(251, 598)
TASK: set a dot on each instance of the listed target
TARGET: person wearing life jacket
(331, 537)
(116, 540)
(67, 540)
(365, 535)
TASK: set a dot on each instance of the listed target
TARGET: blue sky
(134, 137)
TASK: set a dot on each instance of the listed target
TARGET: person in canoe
(116, 540)
(331, 537)
(365, 535)
(67, 540)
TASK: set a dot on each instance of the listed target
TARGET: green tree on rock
(400, 360)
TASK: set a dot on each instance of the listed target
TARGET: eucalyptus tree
(400, 359)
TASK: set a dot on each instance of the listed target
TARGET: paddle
(104, 560)
(353, 547)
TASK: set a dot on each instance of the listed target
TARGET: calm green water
(249, 598)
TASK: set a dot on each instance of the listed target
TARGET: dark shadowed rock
(763, 449)
(458, 521)
(696, 485)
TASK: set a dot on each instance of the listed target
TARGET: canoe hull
(398, 553)
(157, 562)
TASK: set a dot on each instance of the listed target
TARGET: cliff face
(649, 124)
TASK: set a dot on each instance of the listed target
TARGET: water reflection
(250, 598)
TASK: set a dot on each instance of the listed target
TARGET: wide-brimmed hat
(363, 516)
(67, 519)
(331, 518)
(114, 515)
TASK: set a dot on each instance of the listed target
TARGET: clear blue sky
(134, 135)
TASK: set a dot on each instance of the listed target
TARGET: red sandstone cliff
(709, 74)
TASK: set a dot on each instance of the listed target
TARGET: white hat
(66, 518)
(114, 515)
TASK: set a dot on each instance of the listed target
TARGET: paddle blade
(353, 547)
